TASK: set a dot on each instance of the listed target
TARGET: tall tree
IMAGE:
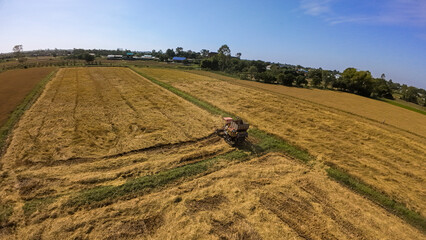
(170, 53)
(327, 78)
(179, 51)
(225, 50)
(252, 71)
(316, 76)
(285, 79)
(410, 94)
(204, 53)
(224, 57)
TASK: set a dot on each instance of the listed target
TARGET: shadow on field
(251, 146)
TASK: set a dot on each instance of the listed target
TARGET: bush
(285, 79)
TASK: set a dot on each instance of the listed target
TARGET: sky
(382, 36)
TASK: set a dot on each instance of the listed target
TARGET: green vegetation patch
(399, 209)
(37, 204)
(268, 142)
(393, 102)
(6, 129)
(202, 104)
(6, 210)
(103, 195)
(272, 143)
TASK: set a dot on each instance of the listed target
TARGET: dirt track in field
(387, 158)
(15, 85)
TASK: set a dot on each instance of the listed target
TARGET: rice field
(77, 114)
(371, 109)
(270, 197)
(388, 158)
(106, 154)
(15, 85)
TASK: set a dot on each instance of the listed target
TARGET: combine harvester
(234, 132)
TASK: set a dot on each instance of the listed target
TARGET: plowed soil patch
(15, 85)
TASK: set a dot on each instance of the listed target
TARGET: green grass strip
(271, 143)
(103, 195)
(403, 106)
(268, 141)
(399, 209)
(6, 129)
(36, 205)
(202, 104)
(6, 210)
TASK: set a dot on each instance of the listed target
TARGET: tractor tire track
(45, 114)
(157, 147)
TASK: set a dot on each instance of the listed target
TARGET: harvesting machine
(234, 132)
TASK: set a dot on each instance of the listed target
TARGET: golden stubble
(270, 197)
(387, 158)
(87, 133)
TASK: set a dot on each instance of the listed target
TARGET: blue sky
(383, 36)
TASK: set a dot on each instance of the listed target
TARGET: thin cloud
(405, 11)
(393, 12)
(315, 7)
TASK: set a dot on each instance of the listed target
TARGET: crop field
(78, 115)
(107, 154)
(365, 107)
(15, 85)
(270, 197)
(387, 158)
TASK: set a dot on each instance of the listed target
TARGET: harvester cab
(234, 132)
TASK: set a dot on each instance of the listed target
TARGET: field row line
(334, 172)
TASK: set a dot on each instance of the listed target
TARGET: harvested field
(15, 85)
(95, 112)
(388, 158)
(95, 127)
(266, 198)
(63, 178)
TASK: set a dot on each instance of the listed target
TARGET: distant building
(144, 57)
(114, 57)
(268, 67)
(179, 59)
(129, 55)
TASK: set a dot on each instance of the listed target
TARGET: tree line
(350, 80)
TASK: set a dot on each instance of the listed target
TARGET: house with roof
(114, 57)
(178, 59)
